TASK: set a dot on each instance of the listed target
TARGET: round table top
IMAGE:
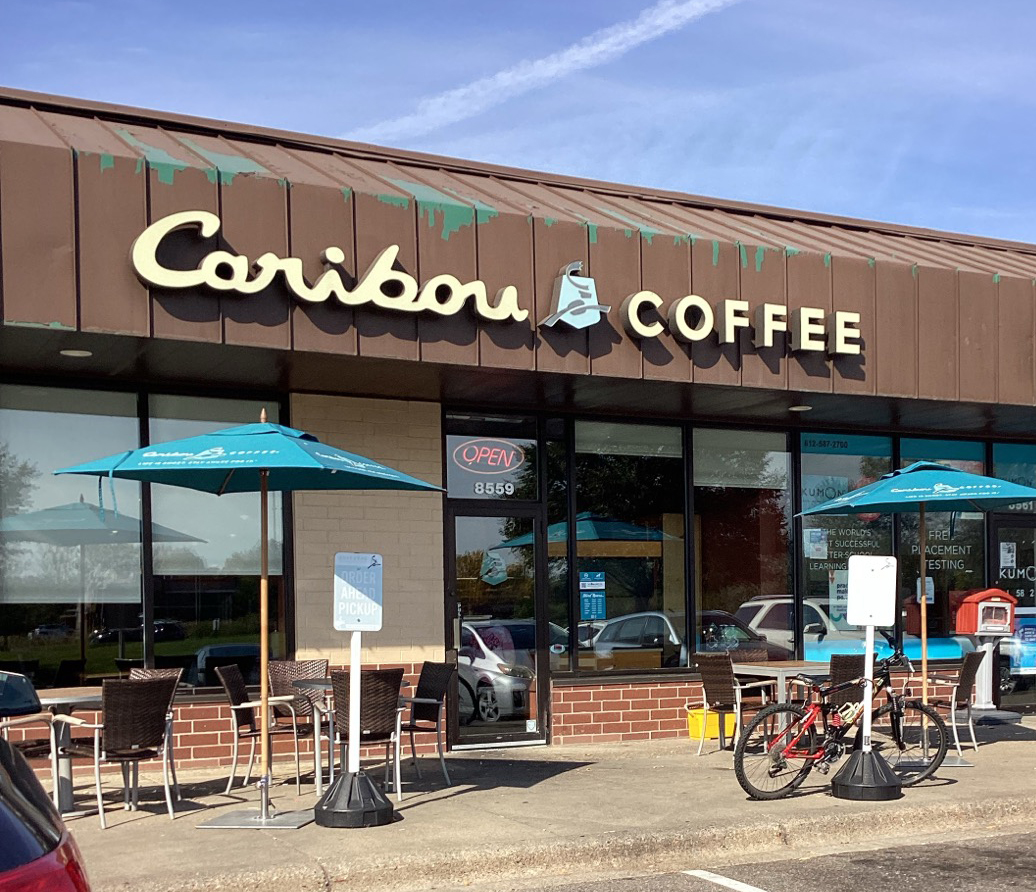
(79, 696)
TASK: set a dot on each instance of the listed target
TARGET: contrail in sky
(596, 49)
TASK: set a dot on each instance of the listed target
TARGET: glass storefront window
(1015, 462)
(742, 523)
(70, 570)
(207, 589)
(833, 465)
(629, 530)
(955, 552)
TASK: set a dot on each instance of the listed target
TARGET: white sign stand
(871, 603)
(353, 800)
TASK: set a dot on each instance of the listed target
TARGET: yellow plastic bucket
(694, 719)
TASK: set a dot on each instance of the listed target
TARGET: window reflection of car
(50, 632)
(165, 630)
(588, 630)
(496, 667)
(654, 639)
(774, 617)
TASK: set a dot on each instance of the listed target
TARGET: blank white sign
(872, 590)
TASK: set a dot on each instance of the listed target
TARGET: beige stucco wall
(406, 528)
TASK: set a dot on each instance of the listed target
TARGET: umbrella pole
(264, 647)
(81, 617)
(924, 607)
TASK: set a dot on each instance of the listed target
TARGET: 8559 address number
(494, 489)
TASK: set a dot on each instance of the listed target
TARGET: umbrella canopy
(253, 458)
(916, 488)
(82, 523)
(939, 487)
(233, 460)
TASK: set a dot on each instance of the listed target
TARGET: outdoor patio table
(61, 701)
(322, 707)
(782, 671)
(324, 684)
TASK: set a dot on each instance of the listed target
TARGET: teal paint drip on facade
(107, 162)
(226, 166)
(760, 256)
(161, 162)
(789, 251)
(827, 260)
(744, 255)
(996, 281)
(646, 232)
(397, 201)
(591, 229)
(715, 252)
(347, 194)
(453, 214)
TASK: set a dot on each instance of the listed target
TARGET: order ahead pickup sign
(357, 592)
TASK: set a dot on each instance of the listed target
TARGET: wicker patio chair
(138, 673)
(309, 704)
(846, 667)
(426, 708)
(245, 724)
(723, 694)
(379, 713)
(960, 695)
(132, 728)
(19, 706)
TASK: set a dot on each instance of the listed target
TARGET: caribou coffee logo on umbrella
(575, 300)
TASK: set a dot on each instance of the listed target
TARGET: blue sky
(916, 112)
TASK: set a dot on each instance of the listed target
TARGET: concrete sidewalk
(538, 812)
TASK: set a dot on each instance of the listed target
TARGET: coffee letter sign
(380, 285)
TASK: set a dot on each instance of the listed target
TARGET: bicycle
(781, 745)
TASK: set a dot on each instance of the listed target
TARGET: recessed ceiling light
(799, 408)
(77, 354)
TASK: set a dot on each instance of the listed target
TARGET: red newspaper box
(989, 612)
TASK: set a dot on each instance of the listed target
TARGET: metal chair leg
(233, 765)
(165, 783)
(971, 729)
(126, 805)
(97, 780)
(953, 723)
(704, 722)
(442, 760)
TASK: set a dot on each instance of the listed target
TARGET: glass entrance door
(496, 636)
(1015, 572)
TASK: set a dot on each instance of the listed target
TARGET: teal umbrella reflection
(916, 488)
(254, 458)
(592, 527)
(82, 524)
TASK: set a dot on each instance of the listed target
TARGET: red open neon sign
(487, 456)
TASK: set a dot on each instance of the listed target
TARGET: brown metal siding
(322, 217)
(853, 290)
(37, 223)
(762, 281)
(978, 335)
(937, 341)
(809, 285)
(714, 276)
(1016, 328)
(895, 347)
(936, 324)
(666, 262)
(615, 265)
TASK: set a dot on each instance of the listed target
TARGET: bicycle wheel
(772, 756)
(913, 741)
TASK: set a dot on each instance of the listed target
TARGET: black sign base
(866, 776)
(353, 800)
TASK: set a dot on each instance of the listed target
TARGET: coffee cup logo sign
(380, 285)
(488, 456)
(690, 318)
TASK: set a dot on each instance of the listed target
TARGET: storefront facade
(628, 397)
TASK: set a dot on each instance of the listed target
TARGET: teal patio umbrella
(253, 458)
(916, 488)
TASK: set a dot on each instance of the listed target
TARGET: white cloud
(598, 48)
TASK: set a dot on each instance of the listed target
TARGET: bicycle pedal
(823, 767)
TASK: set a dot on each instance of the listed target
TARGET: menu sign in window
(490, 468)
